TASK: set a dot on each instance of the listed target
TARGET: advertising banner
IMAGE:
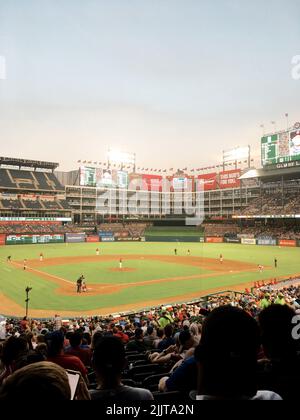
(248, 241)
(232, 240)
(214, 240)
(209, 181)
(2, 239)
(94, 238)
(33, 239)
(266, 241)
(75, 237)
(287, 242)
(230, 179)
(247, 236)
(152, 182)
(128, 239)
(107, 239)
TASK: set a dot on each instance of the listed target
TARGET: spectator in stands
(137, 344)
(150, 337)
(165, 319)
(168, 339)
(75, 349)
(160, 334)
(280, 299)
(280, 370)
(265, 302)
(109, 361)
(14, 349)
(195, 330)
(118, 332)
(227, 357)
(56, 354)
(42, 381)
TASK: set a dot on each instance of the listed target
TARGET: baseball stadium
(108, 222)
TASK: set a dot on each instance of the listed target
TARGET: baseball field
(151, 274)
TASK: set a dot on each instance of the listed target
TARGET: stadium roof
(28, 163)
(268, 174)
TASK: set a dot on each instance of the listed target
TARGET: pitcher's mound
(125, 270)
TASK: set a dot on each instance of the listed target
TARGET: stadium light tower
(27, 290)
(121, 158)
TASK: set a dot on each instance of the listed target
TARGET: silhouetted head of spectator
(276, 332)
(150, 330)
(96, 337)
(227, 354)
(45, 381)
(75, 339)
(168, 330)
(87, 337)
(139, 334)
(186, 340)
(55, 343)
(160, 332)
(109, 361)
(13, 348)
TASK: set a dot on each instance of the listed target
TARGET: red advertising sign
(2, 239)
(209, 181)
(287, 242)
(153, 182)
(230, 179)
(94, 238)
(214, 240)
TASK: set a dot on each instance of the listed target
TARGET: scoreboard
(283, 147)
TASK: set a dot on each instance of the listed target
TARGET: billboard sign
(107, 239)
(209, 181)
(214, 240)
(93, 238)
(288, 243)
(75, 237)
(267, 241)
(232, 240)
(33, 239)
(248, 241)
(2, 239)
(230, 179)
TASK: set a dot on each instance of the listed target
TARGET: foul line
(34, 270)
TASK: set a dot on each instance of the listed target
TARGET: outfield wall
(25, 239)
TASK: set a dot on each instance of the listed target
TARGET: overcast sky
(174, 81)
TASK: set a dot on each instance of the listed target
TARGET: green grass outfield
(44, 297)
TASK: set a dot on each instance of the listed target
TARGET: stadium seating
(29, 180)
(32, 204)
(5, 180)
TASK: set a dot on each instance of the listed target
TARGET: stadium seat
(164, 397)
(151, 382)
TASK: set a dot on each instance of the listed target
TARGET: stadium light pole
(287, 121)
(274, 125)
(27, 290)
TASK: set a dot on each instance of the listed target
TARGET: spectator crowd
(230, 346)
